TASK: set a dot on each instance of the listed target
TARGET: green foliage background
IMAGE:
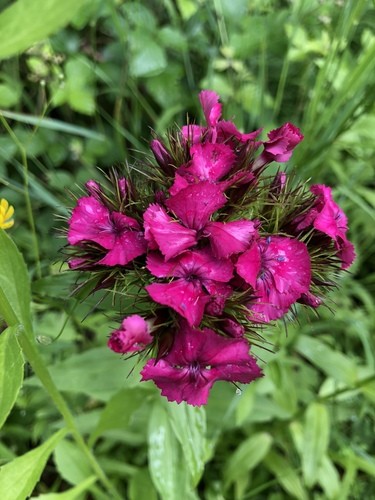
(88, 96)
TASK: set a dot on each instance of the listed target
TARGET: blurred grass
(88, 97)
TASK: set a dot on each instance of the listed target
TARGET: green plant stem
(37, 363)
(26, 193)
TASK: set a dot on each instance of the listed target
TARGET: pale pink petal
(193, 133)
(187, 298)
(196, 203)
(133, 335)
(228, 238)
(171, 237)
(180, 182)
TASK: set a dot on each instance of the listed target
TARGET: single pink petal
(249, 264)
(196, 203)
(171, 237)
(187, 298)
(127, 246)
(228, 238)
(211, 161)
(193, 133)
(159, 267)
(180, 182)
(204, 265)
(227, 130)
(346, 252)
(90, 221)
(211, 106)
(330, 219)
(282, 141)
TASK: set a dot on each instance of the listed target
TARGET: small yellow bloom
(6, 214)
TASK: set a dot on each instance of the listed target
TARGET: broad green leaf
(163, 453)
(14, 284)
(333, 363)
(71, 463)
(98, 372)
(167, 468)
(148, 58)
(247, 456)
(19, 477)
(26, 22)
(117, 413)
(315, 441)
(71, 494)
(11, 371)
(189, 426)
(328, 478)
(141, 487)
(286, 475)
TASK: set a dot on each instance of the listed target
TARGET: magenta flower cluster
(218, 248)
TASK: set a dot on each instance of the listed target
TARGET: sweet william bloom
(115, 232)
(278, 269)
(199, 277)
(197, 359)
(6, 214)
(280, 145)
(134, 335)
(328, 218)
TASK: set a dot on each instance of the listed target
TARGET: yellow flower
(6, 214)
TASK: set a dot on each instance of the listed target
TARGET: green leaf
(333, 363)
(315, 441)
(117, 413)
(99, 372)
(71, 463)
(14, 284)
(19, 477)
(167, 468)
(286, 475)
(11, 371)
(72, 493)
(141, 487)
(148, 59)
(328, 478)
(52, 124)
(247, 456)
(189, 426)
(25, 23)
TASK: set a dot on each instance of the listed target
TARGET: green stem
(37, 363)
(26, 192)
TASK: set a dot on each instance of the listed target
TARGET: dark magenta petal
(90, 221)
(204, 265)
(330, 219)
(211, 161)
(187, 298)
(284, 276)
(249, 264)
(211, 106)
(159, 267)
(228, 238)
(127, 246)
(176, 383)
(171, 237)
(282, 141)
(346, 252)
(196, 203)
(227, 130)
(180, 182)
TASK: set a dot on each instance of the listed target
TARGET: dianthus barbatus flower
(328, 218)
(199, 276)
(278, 269)
(119, 235)
(197, 359)
(133, 335)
